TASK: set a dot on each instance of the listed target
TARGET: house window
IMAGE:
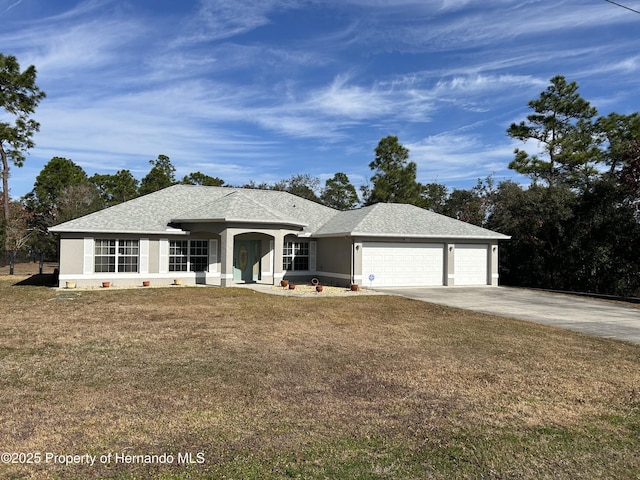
(188, 255)
(295, 256)
(105, 256)
(128, 254)
(199, 255)
(116, 255)
(178, 255)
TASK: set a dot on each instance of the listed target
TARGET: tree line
(574, 226)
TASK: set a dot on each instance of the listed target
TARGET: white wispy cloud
(491, 23)
(222, 19)
(455, 156)
(6, 6)
(342, 99)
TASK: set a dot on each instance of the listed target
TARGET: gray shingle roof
(396, 219)
(237, 207)
(155, 212)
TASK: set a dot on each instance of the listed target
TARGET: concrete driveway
(586, 315)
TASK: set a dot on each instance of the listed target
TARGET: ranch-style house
(225, 236)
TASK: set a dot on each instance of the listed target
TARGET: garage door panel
(406, 264)
(470, 265)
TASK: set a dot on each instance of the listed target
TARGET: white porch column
(226, 257)
(278, 243)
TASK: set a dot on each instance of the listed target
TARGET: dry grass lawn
(262, 386)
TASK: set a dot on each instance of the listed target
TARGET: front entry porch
(250, 256)
(247, 255)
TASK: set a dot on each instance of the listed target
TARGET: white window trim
(89, 251)
(143, 259)
(163, 253)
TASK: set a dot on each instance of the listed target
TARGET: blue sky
(263, 89)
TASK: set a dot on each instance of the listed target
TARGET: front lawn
(194, 383)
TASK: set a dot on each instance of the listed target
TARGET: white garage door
(402, 264)
(470, 265)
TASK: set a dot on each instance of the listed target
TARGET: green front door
(246, 261)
